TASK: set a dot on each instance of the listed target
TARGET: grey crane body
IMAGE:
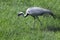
(36, 11)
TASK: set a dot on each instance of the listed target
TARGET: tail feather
(54, 16)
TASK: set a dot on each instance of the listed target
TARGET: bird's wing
(35, 11)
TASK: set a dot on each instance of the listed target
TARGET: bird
(35, 12)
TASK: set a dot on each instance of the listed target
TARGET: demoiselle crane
(35, 12)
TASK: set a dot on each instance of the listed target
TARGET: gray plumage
(36, 11)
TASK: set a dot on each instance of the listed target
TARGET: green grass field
(13, 27)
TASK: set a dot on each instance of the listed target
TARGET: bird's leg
(34, 21)
(39, 20)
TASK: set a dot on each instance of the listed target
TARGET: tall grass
(13, 27)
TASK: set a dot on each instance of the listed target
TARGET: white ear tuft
(21, 12)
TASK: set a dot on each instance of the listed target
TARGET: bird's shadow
(58, 17)
(52, 28)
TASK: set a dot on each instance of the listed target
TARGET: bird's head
(20, 13)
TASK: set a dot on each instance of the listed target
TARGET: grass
(13, 27)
